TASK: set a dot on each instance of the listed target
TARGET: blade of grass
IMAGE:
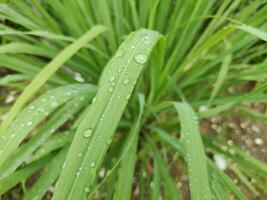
(218, 189)
(23, 173)
(155, 187)
(47, 72)
(126, 171)
(49, 36)
(177, 145)
(24, 152)
(54, 143)
(195, 155)
(97, 128)
(13, 78)
(171, 191)
(33, 114)
(253, 31)
(8, 12)
(244, 179)
(48, 177)
(221, 77)
(234, 153)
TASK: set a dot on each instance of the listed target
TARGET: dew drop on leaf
(29, 123)
(110, 89)
(140, 58)
(86, 189)
(120, 53)
(126, 82)
(54, 104)
(92, 164)
(88, 133)
(111, 79)
(147, 37)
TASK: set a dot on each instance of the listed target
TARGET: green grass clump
(112, 98)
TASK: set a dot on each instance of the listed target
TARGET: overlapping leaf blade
(34, 113)
(47, 72)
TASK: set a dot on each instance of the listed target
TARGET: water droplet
(111, 79)
(54, 104)
(92, 164)
(134, 82)
(29, 123)
(32, 107)
(132, 46)
(88, 133)
(13, 135)
(110, 89)
(120, 53)
(120, 70)
(86, 189)
(140, 58)
(80, 154)
(126, 82)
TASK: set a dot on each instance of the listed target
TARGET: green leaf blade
(195, 155)
(96, 130)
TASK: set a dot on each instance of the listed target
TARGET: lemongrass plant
(111, 96)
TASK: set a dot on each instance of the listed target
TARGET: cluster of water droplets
(38, 112)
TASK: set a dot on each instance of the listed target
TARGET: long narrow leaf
(96, 130)
(35, 113)
(47, 72)
(195, 155)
